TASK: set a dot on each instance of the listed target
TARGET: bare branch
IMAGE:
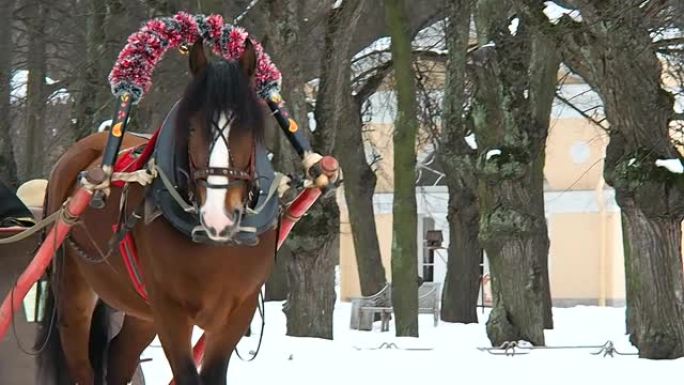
(580, 111)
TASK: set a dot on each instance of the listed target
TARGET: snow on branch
(555, 12)
(673, 165)
(429, 39)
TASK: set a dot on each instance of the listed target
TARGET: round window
(580, 152)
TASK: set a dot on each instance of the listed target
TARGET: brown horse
(212, 285)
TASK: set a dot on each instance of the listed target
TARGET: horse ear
(248, 60)
(198, 59)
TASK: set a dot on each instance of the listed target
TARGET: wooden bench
(429, 296)
(365, 309)
(361, 315)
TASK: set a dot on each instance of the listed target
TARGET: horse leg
(76, 303)
(125, 349)
(174, 328)
(222, 342)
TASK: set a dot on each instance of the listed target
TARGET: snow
(338, 3)
(378, 46)
(472, 142)
(679, 103)
(430, 38)
(492, 153)
(513, 27)
(451, 353)
(581, 96)
(673, 165)
(312, 121)
(667, 34)
(104, 125)
(631, 161)
(554, 12)
(19, 84)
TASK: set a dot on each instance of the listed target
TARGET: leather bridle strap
(230, 173)
(233, 174)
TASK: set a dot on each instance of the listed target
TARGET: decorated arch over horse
(132, 72)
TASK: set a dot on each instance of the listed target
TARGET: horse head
(222, 118)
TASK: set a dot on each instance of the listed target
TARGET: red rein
(76, 206)
(74, 209)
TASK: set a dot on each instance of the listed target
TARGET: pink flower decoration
(236, 45)
(136, 62)
(215, 23)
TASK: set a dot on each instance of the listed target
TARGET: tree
(337, 106)
(461, 285)
(312, 249)
(359, 177)
(8, 168)
(404, 221)
(612, 49)
(36, 96)
(515, 77)
(85, 106)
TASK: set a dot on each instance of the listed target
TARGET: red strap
(129, 255)
(128, 162)
(147, 152)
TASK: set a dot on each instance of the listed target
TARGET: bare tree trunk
(462, 281)
(360, 180)
(404, 217)
(314, 239)
(161, 8)
(621, 63)
(543, 73)
(277, 285)
(8, 167)
(461, 284)
(337, 109)
(650, 308)
(211, 6)
(359, 186)
(85, 106)
(650, 201)
(515, 81)
(311, 300)
(35, 98)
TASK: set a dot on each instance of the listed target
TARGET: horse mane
(221, 87)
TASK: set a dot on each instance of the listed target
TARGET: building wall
(585, 258)
(575, 150)
(586, 264)
(349, 274)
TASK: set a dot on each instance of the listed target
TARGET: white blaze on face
(213, 210)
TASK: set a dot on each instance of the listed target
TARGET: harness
(168, 195)
(234, 175)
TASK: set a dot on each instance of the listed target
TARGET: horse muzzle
(217, 227)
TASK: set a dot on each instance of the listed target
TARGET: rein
(262, 313)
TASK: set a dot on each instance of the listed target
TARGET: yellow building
(585, 257)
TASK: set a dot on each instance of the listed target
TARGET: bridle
(235, 175)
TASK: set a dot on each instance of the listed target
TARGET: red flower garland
(133, 69)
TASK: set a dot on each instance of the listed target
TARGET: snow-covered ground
(452, 356)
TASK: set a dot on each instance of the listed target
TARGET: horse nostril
(224, 233)
(212, 231)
